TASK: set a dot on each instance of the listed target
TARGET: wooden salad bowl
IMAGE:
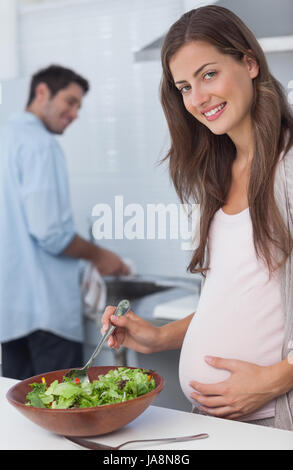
(82, 421)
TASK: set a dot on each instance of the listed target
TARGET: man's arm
(107, 262)
(46, 204)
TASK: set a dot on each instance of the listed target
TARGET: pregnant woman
(231, 133)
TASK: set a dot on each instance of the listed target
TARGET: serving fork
(81, 373)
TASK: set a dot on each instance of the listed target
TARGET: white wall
(8, 39)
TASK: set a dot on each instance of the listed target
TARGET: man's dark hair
(56, 78)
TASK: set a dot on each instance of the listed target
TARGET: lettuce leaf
(117, 385)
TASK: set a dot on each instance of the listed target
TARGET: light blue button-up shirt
(39, 287)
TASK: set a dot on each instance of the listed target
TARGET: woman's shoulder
(288, 154)
(287, 159)
(283, 181)
(283, 184)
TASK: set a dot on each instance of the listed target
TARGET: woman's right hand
(131, 331)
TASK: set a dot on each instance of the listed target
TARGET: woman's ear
(251, 64)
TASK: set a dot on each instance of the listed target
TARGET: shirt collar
(27, 116)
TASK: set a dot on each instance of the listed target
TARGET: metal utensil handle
(89, 444)
(167, 439)
(96, 446)
(121, 309)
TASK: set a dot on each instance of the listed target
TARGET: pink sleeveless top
(239, 315)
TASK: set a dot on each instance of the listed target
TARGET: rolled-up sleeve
(46, 198)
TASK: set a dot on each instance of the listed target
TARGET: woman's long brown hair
(200, 162)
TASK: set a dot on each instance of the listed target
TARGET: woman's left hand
(247, 389)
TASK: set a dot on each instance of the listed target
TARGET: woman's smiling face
(216, 88)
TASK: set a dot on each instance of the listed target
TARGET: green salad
(116, 386)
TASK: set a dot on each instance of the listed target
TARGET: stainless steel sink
(139, 290)
(131, 289)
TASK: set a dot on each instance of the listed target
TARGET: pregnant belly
(201, 341)
(227, 338)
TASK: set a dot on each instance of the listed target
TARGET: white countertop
(18, 433)
(178, 308)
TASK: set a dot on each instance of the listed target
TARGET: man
(40, 298)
